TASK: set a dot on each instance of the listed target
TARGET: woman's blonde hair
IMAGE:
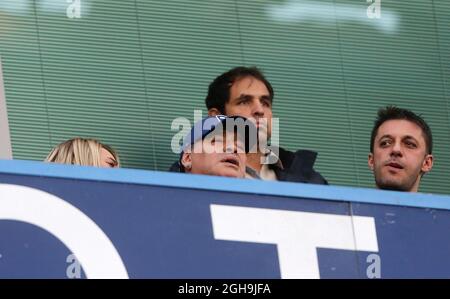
(80, 151)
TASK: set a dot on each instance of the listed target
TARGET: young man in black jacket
(244, 91)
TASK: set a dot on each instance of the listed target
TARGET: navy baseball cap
(207, 125)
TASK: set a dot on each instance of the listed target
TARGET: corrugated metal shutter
(126, 69)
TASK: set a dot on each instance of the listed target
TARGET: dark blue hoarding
(59, 221)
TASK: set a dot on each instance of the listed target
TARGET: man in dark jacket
(246, 92)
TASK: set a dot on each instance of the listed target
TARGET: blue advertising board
(59, 221)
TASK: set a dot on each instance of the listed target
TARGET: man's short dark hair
(219, 89)
(392, 112)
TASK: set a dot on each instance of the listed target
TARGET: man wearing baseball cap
(218, 145)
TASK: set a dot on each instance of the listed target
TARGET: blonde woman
(86, 152)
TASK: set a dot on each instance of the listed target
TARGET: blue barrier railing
(71, 221)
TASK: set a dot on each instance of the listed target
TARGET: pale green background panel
(184, 45)
(94, 78)
(22, 70)
(126, 69)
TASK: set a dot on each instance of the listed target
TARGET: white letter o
(93, 249)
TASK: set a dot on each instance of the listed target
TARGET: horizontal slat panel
(126, 69)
